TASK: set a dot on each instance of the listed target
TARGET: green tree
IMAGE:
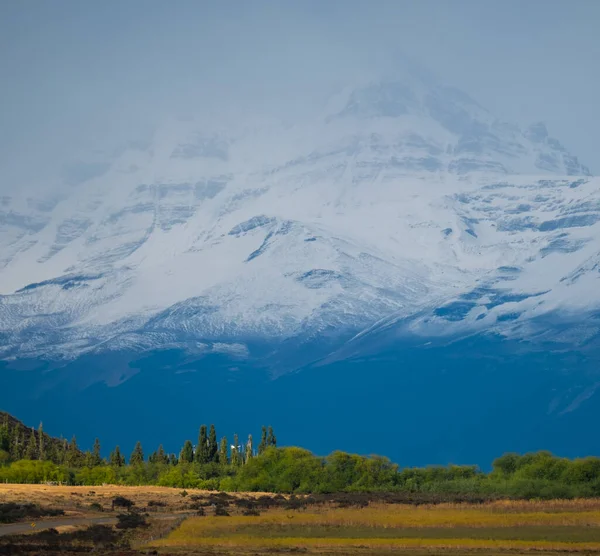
(116, 458)
(173, 459)
(249, 449)
(187, 453)
(41, 443)
(32, 449)
(5, 435)
(236, 456)
(263, 441)
(137, 456)
(213, 447)
(159, 456)
(20, 444)
(271, 439)
(223, 454)
(96, 458)
(202, 448)
(73, 454)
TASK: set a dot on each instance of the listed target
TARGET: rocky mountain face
(403, 212)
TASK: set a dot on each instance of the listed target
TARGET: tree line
(18, 442)
(217, 465)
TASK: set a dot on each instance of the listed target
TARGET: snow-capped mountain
(399, 196)
(403, 247)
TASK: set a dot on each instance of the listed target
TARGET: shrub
(122, 502)
(132, 520)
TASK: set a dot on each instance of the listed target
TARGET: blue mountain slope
(419, 402)
(401, 273)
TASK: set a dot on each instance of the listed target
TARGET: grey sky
(84, 76)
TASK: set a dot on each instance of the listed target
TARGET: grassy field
(501, 527)
(195, 522)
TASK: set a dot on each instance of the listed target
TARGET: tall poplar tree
(223, 455)
(271, 440)
(41, 445)
(18, 446)
(202, 448)
(32, 450)
(236, 458)
(213, 447)
(263, 441)
(249, 449)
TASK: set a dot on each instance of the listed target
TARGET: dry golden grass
(387, 527)
(72, 498)
(390, 517)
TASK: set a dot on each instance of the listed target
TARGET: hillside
(20, 441)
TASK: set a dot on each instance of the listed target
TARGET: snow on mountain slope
(400, 196)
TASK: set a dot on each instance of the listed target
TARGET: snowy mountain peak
(403, 195)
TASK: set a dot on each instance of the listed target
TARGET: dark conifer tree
(96, 455)
(236, 452)
(263, 441)
(18, 447)
(41, 443)
(72, 457)
(271, 440)
(5, 435)
(160, 456)
(202, 448)
(249, 449)
(116, 458)
(137, 456)
(187, 453)
(32, 449)
(173, 459)
(213, 447)
(223, 454)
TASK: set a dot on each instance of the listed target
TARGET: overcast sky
(81, 75)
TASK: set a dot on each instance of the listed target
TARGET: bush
(132, 520)
(221, 511)
(122, 502)
(11, 512)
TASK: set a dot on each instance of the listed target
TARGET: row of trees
(37, 445)
(294, 470)
(31, 456)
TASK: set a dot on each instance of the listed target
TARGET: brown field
(493, 528)
(173, 526)
(72, 498)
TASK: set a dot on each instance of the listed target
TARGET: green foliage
(187, 453)
(41, 443)
(271, 440)
(31, 452)
(236, 455)
(5, 435)
(116, 459)
(201, 455)
(96, 476)
(263, 441)
(28, 471)
(137, 456)
(30, 456)
(96, 458)
(223, 453)
(213, 448)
